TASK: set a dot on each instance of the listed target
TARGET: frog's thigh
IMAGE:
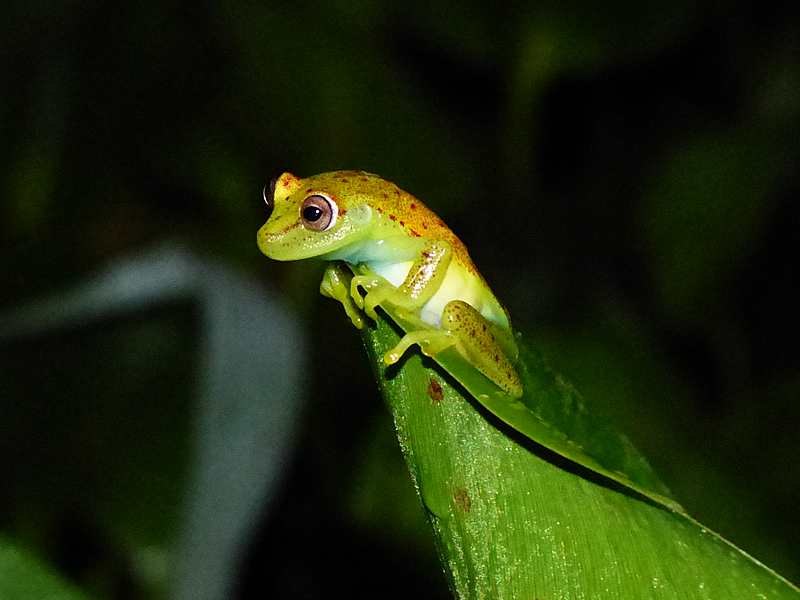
(472, 336)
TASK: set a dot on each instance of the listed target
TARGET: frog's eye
(269, 193)
(318, 212)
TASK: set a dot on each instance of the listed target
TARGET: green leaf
(513, 521)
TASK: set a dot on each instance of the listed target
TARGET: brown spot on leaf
(462, 500)
(435, 391)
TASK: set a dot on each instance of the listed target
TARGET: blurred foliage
(24, 577)
(625, 175)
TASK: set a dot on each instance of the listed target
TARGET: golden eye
(318, 212)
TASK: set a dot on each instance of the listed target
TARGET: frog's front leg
(424, 278)
(334, 286)
(479, 341)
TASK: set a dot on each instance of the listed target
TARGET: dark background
(625, 175)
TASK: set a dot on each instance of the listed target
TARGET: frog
(403, 259)
(406, 261)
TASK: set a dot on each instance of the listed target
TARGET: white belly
(458, 284)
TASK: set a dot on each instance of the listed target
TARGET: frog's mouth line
(272, 238)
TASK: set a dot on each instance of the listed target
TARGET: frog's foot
(431, 342)
(334, 286)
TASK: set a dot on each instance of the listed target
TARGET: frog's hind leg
(483, 344)
(473, 337)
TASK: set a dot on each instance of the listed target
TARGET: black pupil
(312, 213)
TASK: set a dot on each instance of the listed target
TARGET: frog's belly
(458, 284)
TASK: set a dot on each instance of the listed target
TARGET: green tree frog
(409, 263)
(405, 259)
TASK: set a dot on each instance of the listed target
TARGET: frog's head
(315, 216)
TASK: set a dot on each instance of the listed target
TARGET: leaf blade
(509, 523)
